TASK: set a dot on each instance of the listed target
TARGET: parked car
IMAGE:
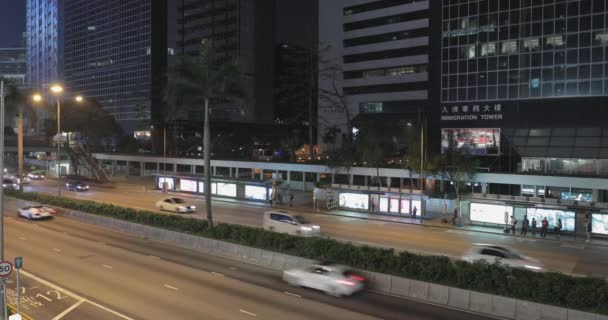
(10, 183)
(508, 257)
(335, 280)
(36, 212)
(177, 205)
(76, 186)
(285, 222)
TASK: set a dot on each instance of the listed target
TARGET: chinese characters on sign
(471, 112)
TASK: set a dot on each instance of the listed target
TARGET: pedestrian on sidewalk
(533, 227)
(454, 216)
(414, 210)
(524, 226)
(588, 228)
(558, 228)
(544, 225)
(506, 220)
(513, 224)
(290, 199)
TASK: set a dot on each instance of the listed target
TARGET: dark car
(76, 186)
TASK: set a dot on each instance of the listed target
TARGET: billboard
(187, 185)
(599, 223)
(490, 213)
(552, 215)
(475, 141)
(256, 192)
(354, 201)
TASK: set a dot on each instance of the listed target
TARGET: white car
(508, 257)
(335, 280)
(178, 205)
(36, 212)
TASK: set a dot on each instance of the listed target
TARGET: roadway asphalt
(142, 279)
(567, 257)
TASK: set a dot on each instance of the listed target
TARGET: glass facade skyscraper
(115, 53)
(44, 42)
(523, 49)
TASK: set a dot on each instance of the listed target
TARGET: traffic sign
(5, 268)
(18, 262)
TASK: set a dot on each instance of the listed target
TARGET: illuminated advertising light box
(255, 192)
(354, 201)
(394, 208)
(201, 187)
(417, 204)
(226, 189)
(187, 185)
(471, 140)
(599, 223)
(383, 204)
(490, 213)
(405, 206)
(552, 215)
(170, 183)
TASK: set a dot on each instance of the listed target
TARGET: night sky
(12, 22)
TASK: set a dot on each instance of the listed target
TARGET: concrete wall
(498, 306)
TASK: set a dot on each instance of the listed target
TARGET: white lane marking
(68, 310)
(154, 257)
(107, 266)
(217, 274)
(170, 287)
(292, 294)
(56, 250)
(73, 295)
(34, 287)
(247, 312)
(23, 238)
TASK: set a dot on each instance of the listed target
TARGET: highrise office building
(44, 42)
(241, 30)
(115, 52)
(528, 78)
(13, 65)
(382, 51)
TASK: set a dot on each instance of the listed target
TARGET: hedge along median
(586, 294)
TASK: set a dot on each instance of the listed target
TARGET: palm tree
(204, 77)
(17, 101)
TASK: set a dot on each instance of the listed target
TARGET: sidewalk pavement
(303, 203)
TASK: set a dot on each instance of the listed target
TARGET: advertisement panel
(490, 213)
(405, 206)
(383, 204)
(471, 140)
(394, 205)
(226, 189)
(201, 187)
(354, 201)
(599, 223)
(416, 204)
(255, 192)
(552, 215)
(187, 185)
(170, 183)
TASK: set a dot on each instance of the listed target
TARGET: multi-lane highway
(78, 271)
(568, 257)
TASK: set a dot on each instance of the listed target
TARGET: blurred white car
(335, 280)
(10, 183)
(508, 257)
(178, 205)
(293, 224)
(36, 212)
(35, 176)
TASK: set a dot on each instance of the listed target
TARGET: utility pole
(310, 96)
(2, 301)
(20, 148)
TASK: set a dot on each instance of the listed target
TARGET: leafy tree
(204, 77)
(457, 167)
(90, 121)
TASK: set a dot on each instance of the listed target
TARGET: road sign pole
(4, 298)
(18, 294)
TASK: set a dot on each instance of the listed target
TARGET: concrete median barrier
(419, 290)
(439, 294)
(459, 298)
(503, 307)
(579, 315)
(481, 302)
(400, 286)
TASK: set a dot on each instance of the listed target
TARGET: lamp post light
(57, 90)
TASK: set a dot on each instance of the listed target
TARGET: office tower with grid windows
(241, 30)
(115, 52)
(44, 42)
(382, 49)
(528, 78)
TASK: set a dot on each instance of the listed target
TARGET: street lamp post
(57, 90)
